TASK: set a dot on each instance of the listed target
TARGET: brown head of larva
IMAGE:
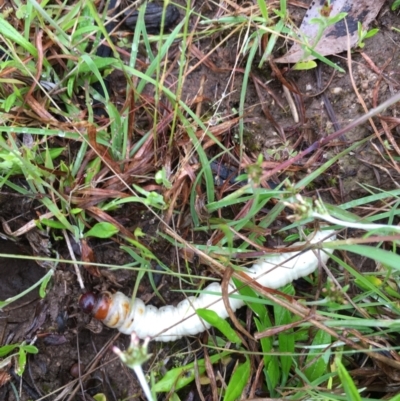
(96, 305)
(87, 302)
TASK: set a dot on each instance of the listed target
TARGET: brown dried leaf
(4, 377)
(110, 277)
(88, 256)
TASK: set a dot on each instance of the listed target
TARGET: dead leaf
(88, 256)
(334, 39)
(4, 377)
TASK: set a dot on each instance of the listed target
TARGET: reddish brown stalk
(225, 297)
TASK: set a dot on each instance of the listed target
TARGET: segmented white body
(169, 323)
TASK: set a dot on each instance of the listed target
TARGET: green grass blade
(390, 259)
(347, 382)
(8, 31)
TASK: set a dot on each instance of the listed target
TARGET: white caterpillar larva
(173, 322)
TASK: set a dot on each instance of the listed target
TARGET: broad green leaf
(271, 363)
(238, 381)
(318, 362)
(286, 347)
(259, 309)
(285, 340)
(273, 374)
(266, 342)
(102, 230)
(221, 324)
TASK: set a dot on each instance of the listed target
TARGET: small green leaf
(238, 381)
(305, 65)
(70, 86)
(174, 397)
(21, 11)
(161, 178)
(183, 375)
(53, 207)
(53, 153)
(6, 349)
(221, 324)
(43, 285)
(93, 64)
(21, 362)
(52, 224)
(92, 169)
(10, 102)
(338, 17)
(139, 232)
(102, 230)
(395, 5)
(371, 33)
(30, 349)
(347, 382)
(100, 397)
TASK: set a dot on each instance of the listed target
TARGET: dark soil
(57, 327)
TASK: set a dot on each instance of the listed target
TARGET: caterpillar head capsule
(96, 305)
(87, 302)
